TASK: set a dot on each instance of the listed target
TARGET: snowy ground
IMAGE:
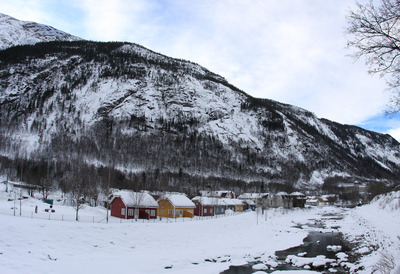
(31, 245)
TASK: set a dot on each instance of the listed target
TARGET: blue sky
(292, 51)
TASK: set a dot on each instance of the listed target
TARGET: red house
(128, 205)
(205, 206)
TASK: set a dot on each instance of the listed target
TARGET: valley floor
(30, 245)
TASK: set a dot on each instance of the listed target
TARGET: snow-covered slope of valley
(202, 245)
(375, 230)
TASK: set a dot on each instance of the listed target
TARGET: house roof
(252, 195)
(206, 200)
(249, 202)
(230, 202)
(131, 198)
(297, 194)
(178, 200)
(282, 193)
(217, 193)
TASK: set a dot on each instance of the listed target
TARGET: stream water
(314, 247)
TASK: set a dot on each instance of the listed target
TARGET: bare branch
(374, 32)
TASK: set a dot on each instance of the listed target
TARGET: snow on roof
(217, 193)
(230, 202)
(282, 193)
(206, 200)
(252, 195)
(297, 194)
(131, 198)
(327, 196)
(249, 202)
(179, 200)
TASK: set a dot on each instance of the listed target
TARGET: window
(190, 211)
(153, 213)
(130, 211)
(205, 211)
(169, 211)
(211, 210)
(147, 211)
(123, 211)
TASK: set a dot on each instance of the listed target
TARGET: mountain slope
(15, 32)
(171, 124)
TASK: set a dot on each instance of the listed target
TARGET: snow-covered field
(32, 245)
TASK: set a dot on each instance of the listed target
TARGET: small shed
(128, 205)
(175, 205)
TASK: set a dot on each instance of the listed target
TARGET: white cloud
(395, 133)
(117, 20)
(29, 10)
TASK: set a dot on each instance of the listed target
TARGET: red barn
(128, 205)
(205, 206)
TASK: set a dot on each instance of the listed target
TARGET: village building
(298, 199)
(128, 205)
(280, 199)
(252, 200)
(175, 205)
(219, 208)
(218, 193)
(205, 206)
(249, 205)
(312, 201)
(235, 205)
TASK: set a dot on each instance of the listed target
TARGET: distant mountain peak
(15, 32)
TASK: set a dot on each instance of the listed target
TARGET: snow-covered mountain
(15, 32)
(165, 123)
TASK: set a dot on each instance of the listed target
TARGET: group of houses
(142, 205)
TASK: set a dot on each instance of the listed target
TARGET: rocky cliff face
(123, 104)
(169, 124)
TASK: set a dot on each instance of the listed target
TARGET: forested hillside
(78, 113)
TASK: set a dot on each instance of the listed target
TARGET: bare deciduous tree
(374, 32)
(137, 200)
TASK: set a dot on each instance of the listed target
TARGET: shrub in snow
(386, 263)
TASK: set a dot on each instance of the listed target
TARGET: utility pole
(7, 183)
(108, 190)
(20, 190)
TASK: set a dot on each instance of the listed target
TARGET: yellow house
(175, 206)
(239, 208)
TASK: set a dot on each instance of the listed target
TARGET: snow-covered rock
(14, 32)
